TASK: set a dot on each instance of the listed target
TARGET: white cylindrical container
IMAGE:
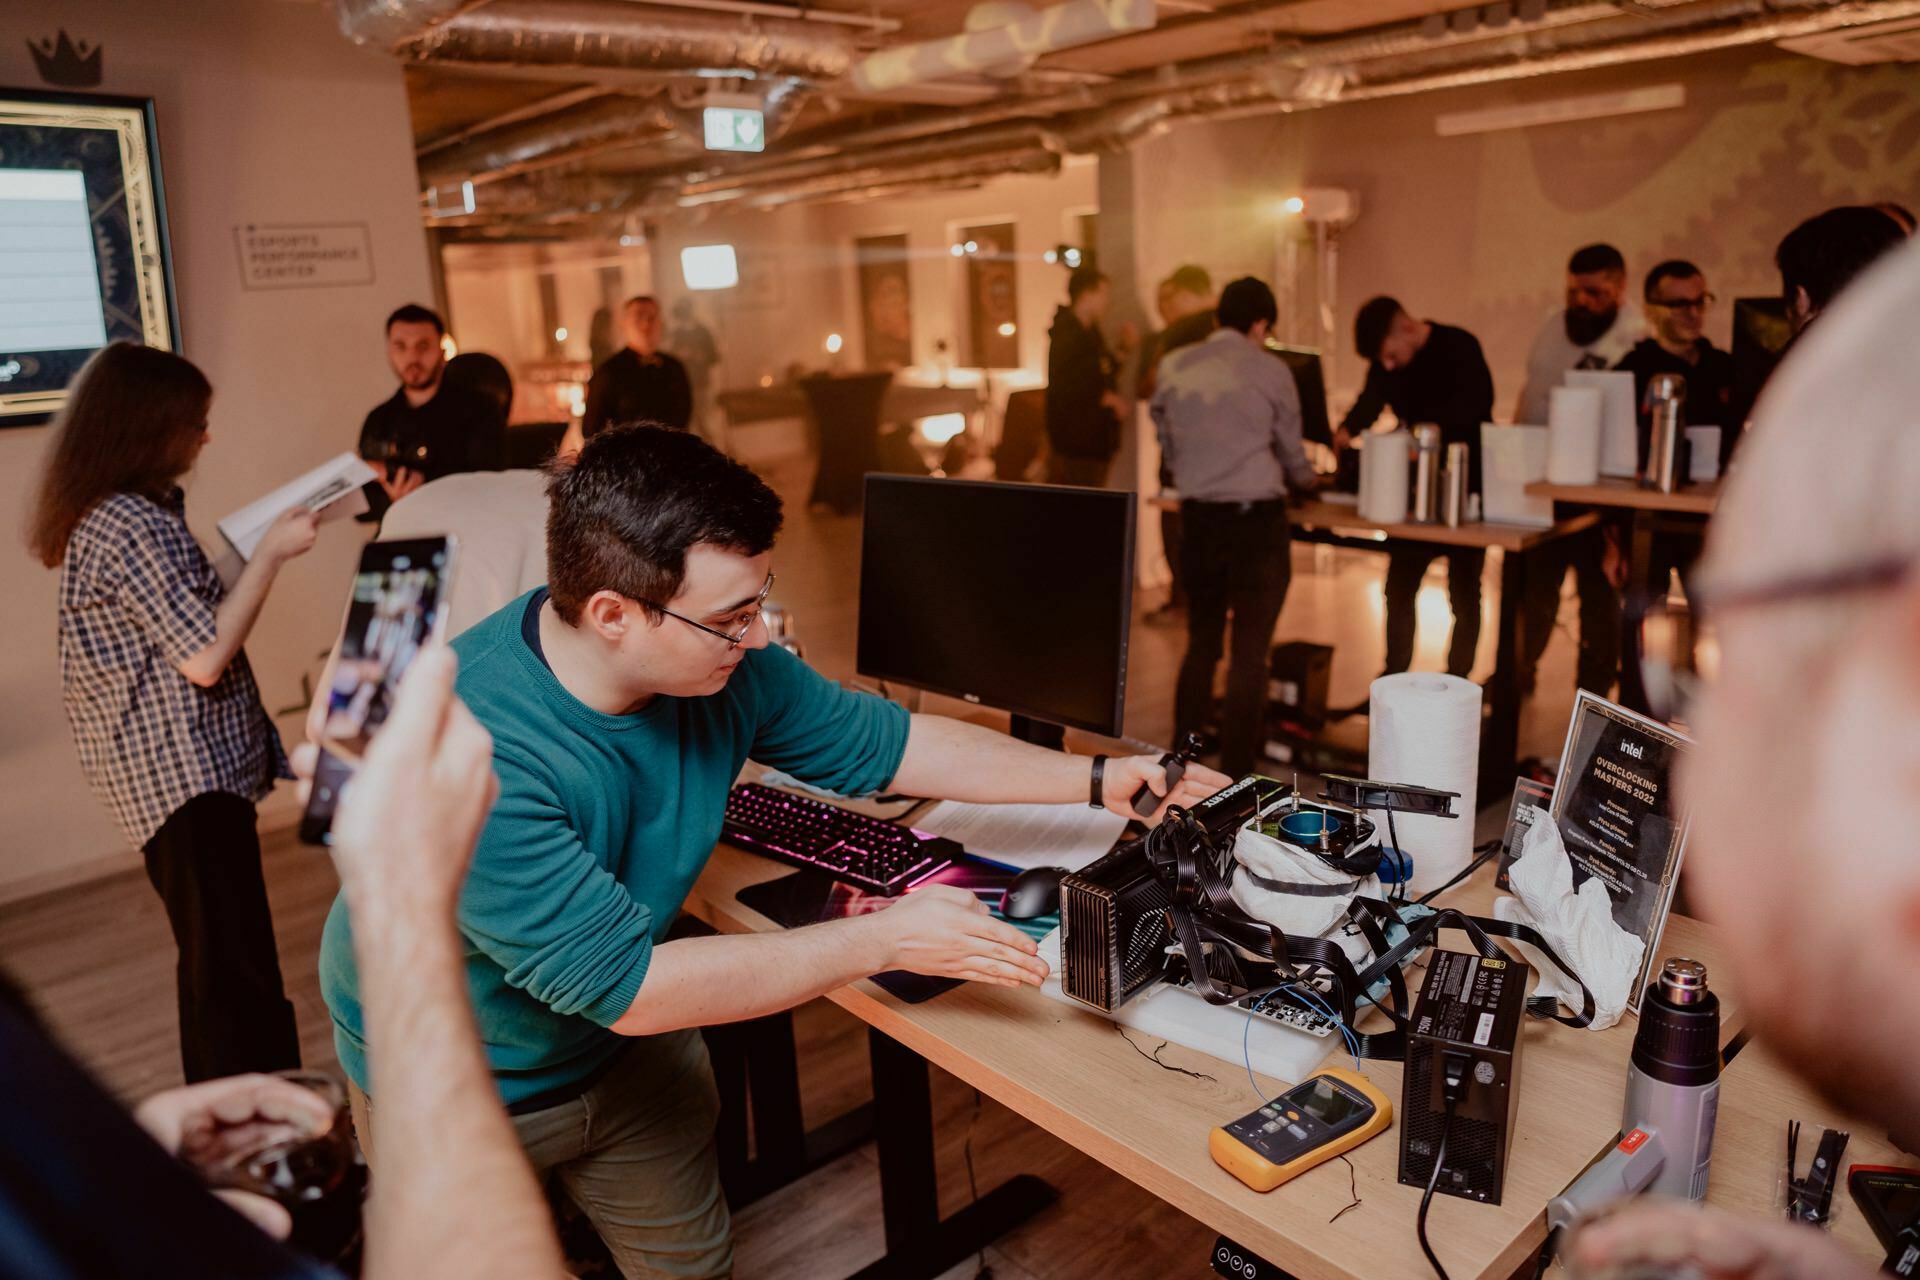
(1424, 729)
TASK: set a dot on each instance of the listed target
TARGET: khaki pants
(636, 1153)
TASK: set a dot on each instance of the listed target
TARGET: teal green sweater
(602, 826)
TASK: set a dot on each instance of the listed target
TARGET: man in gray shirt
(1228, 416)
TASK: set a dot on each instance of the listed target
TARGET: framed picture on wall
(83, 241)
(886, 301)
(993, 297)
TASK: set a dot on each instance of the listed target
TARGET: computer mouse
(1033, 893)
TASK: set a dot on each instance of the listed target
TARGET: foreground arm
(1654, 1237)
(455, 1195)
(954, 760)
(940, 931)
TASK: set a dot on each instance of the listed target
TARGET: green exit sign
(735, 129)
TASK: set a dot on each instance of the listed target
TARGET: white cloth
(1292, 913)
(1579, 926)
(498, 520)
(1554, 353)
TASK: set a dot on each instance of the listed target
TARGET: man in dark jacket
(1084, 411)
(1426, 372)
(639, 382)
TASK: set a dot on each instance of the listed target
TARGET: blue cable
(1298, 993)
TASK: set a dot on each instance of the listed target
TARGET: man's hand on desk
(945, 932)
(1668, 1237)
(1125, 774)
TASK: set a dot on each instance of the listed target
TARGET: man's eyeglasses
(735, 637)
(1700, 303)
(1679, 651)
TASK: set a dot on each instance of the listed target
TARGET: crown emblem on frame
(65, 62)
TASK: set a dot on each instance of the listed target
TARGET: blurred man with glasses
(623, 698)
(1804, 788)
(1677, 302)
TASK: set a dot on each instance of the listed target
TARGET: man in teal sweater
(623, 699)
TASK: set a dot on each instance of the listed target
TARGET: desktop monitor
(1014, 596)
(1312, 386)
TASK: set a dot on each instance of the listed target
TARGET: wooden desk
(1067, 1070)
(1758, 1095)
(1692, 499)
(1345, 518)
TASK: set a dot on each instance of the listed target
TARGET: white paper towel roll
(1619, 436)
(1385, 460)
(1424, 729)
(1573, 435)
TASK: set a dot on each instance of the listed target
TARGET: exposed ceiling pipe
(1199, 73)
(754, 9)
(533, 110)
(607, 34)
(999, 48)
(1657, 34)
(563, 136)
(1033, 160)
(1001, 138)
(383, 24)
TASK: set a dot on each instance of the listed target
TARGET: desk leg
(1633, 693)
(920, 1245)
(1500, 733)
(756, 1067)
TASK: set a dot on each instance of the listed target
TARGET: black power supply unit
(1470, 1008)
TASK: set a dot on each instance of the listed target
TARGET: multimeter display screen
(1326, 1102)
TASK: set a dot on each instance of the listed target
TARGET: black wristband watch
(1098, 784)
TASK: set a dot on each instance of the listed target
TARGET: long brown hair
(132, 420)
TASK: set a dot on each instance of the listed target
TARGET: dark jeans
(1406, 565)
(1599, 658)
(1235, 559)
(234, 1015)
(1089, 472)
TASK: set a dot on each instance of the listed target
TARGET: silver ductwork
(955, 148)
(611, 35)
(383, 24)
(998, 50)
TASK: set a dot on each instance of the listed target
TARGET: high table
(1686, 511)
(1066, 1070)
(1340, 524)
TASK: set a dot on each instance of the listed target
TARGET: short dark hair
(638, 298)
(1244, 303)
(1084, 278)
(1371, 323)
(1671, 269)
(1193, 279)
(1594, 258)
(1823, 254)
(624, 510)
(1900, 214)
(414, 313)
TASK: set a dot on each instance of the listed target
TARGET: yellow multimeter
(1329, 1113)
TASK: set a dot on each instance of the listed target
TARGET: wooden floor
(97, 959)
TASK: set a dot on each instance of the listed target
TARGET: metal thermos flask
(1667, 398)
(1426, 473)
(1454, 509)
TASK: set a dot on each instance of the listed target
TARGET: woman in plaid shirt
(163, 704)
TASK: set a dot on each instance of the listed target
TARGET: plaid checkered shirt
(137, 598)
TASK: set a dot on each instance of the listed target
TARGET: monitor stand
(1040, 733)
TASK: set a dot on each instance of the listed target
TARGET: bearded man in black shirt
(1424, 371)
(428, 429)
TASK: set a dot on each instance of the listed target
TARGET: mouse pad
(809, 897)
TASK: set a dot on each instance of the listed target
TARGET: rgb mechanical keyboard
(868, 853)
